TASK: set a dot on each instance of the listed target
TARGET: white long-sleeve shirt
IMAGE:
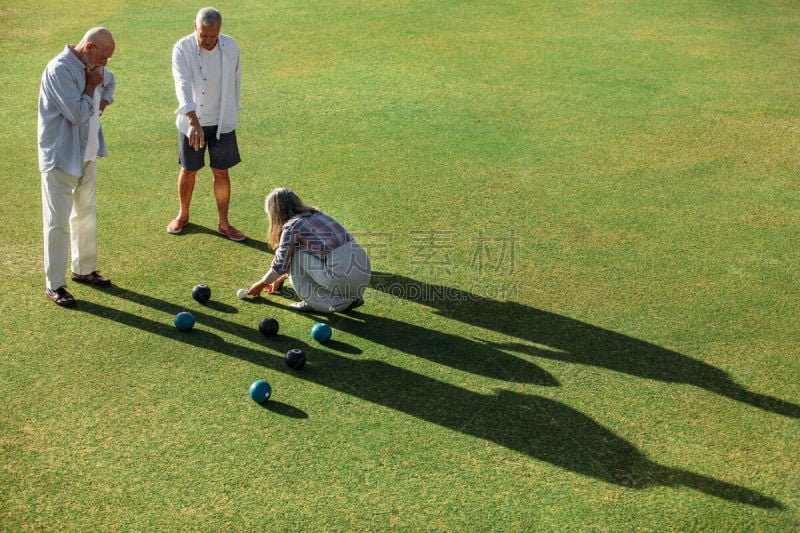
(191, 84)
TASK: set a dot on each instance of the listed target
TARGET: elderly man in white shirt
(207, 74)
(75, 89)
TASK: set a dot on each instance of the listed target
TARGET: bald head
(99, 36)
(96, 47)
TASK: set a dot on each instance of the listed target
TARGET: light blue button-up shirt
(64, 113)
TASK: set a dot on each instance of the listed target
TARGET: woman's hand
(256, 288)
(271, 282)
(273, 287)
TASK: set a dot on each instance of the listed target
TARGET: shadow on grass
(283, 409)
(541, 428)
(564, 339)
(191, 229)
(221, 307)
(202, 317)
(461, 353)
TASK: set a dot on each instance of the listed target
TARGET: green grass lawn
(584, 221)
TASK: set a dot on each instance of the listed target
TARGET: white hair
(208, 17)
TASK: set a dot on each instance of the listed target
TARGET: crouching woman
(328, 269)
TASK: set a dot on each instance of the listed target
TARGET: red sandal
(176, 226)
(231, 233)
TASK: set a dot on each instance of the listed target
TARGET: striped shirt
(316, 233)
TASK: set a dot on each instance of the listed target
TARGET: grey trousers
(331, 283)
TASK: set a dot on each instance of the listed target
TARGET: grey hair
(208, 17)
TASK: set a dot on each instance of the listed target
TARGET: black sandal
(358, 302)
(61, 297)
(92, 279)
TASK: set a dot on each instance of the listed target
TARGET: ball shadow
(283, 409)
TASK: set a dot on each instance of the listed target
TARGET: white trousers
(69, 221)
(331, 283)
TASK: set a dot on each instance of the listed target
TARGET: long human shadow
(452, 350)
(197, 310)
(461, 353)
(565, 339)
(192, 228)
(539, 427)
(467, 355)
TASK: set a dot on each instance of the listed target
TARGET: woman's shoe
(302, 307)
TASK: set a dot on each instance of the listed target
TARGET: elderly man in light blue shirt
(75, 89)
(207, 75)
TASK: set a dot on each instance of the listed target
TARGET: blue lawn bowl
(321, 332)
(260, 391)
(184, 321)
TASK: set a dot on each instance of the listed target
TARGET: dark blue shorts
(223, 153)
